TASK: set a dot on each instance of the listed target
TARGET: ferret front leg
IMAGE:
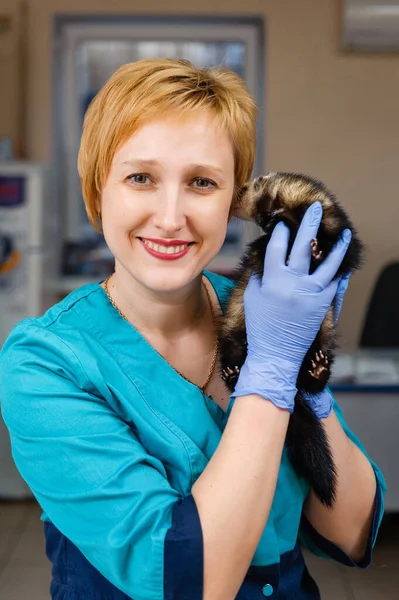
(317, 253)
(320, 368)
(315, 371)
(230, 376)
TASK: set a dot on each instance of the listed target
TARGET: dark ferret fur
(268, 200)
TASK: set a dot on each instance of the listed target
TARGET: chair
(381, 325)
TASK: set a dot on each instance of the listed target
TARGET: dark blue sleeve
(317, 544)
(320, 546)
(183, 553)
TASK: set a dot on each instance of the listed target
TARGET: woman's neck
(167, 314)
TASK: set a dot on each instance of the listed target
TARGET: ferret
(268, 200)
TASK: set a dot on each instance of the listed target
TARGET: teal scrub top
(109, 437)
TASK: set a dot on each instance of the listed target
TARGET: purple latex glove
(323, 403)
(284, 311)
(339, 296)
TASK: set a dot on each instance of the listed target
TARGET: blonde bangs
(139, 91)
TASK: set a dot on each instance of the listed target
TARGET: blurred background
(325, 74)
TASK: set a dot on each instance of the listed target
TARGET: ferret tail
(310, 453)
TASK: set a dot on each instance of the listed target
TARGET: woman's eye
(139, 178)
(204, 184)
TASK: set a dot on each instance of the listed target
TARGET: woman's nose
(169, 214)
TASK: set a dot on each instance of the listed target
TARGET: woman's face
(166, 201)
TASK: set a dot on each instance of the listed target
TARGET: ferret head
(276, 193)
(258, 197)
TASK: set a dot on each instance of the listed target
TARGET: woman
(153, 482)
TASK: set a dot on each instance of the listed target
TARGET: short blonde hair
(146, 88)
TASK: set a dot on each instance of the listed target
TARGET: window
(87, 52)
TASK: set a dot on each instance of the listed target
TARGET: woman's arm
(348, 524)
(283, 313)
(234, 494)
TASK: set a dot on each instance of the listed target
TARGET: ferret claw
(319, 365)
(316, 252)
(230, 373)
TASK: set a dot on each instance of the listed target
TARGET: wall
(9, 84)
(328, 113)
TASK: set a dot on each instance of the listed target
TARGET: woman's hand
(284, 311)
(339, 297)
(323, 403)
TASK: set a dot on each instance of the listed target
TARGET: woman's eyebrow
(137, 162)
(149, 162)
(204, 167)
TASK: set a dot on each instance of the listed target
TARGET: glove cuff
(271, 380)
(321, 404)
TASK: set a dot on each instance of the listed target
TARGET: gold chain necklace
(215, 352)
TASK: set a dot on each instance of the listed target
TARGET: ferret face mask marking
(268, 200)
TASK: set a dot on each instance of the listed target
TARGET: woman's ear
(236, 210)
(97, 208)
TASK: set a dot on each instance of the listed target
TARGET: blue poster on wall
(12, 190)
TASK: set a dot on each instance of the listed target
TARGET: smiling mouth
(161, 249)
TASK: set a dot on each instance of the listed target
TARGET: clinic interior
(328, 108)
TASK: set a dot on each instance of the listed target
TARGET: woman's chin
(170, 280)
(163, 276)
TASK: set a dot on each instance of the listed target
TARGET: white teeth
(165, 249)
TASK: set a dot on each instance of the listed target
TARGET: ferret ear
(239, 213)
(236, 210)
(233, 205)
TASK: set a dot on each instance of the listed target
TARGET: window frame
(70, 31)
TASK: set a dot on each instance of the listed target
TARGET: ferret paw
(230, 376)
(316, 252)
(320, 366)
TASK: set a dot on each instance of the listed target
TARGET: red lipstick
(164, 255)
(163, 242)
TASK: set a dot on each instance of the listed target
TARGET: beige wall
(9, 70)
(327, 113)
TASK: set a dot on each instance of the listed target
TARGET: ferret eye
(258, 183)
